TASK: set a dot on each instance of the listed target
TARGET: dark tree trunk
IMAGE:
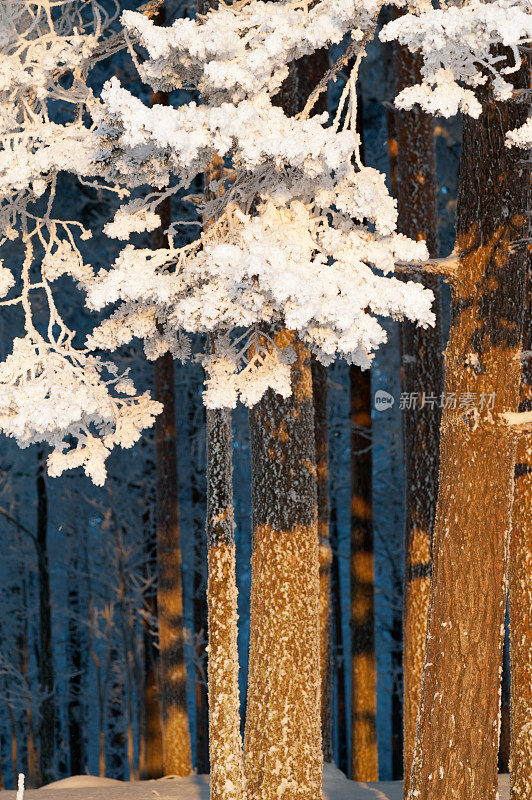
(338, 643)
(422, 376)
(152, 761)
(46, 660)
(321, 431)
(457, 733)
(177, 759)
(77, 655)
(364, 759)
(176, 736)
(310, 70)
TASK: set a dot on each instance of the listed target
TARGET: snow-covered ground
(196, 787)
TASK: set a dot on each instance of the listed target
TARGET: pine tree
(461, 679)
(422, 376)
(283, 730)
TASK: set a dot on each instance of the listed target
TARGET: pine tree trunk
(321, 431)
(338, 643)
(176, 735)
(77, 660)
(177, 758)
(46, 660)
(283, 757)
(225, 740)
(151, 750)
(422, 376)
(521, 589)
(458, 727)
(364, 758)
(310, 70)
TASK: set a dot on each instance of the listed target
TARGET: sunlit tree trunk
(422, 377)
(283, 758)
(225, 741)
(46, 659)
(458, 727)
(521, 588)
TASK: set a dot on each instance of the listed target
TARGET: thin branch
(446, 268)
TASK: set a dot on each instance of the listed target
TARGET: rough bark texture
(176, 734)
(364, 757)
(422, 375)
(310, 70)
(46, 658)
(338, 644)
(458, 727)
(283, 757)
(321, 432)
(225, 740)
(177, 759)
(521, 589)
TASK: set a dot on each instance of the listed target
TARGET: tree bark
(151, 750)
(177, 758)
(176, 735)
(283, 757)
(77, 659)
(225, 740)
(422, 376)
(458, 726)
(364, 757)
(46, 659)
(310, 70)
(521, 589)
(320, 377)
(338, 643)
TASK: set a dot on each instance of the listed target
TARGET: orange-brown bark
(521, 589)
(458, 727)
(283, 758)
(422, 376)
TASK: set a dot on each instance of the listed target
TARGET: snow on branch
(457, 43)
(303, 234)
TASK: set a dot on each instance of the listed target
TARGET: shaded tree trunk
(46, 660)
(283, 757)
(225, 740)
(364, 758)
(176, 735)
(310, 70)
(338, 643)
(77, 659)
(177, 758)
(458, 726)
(321, 431)
(521, 588)
(422, 377)
(151, 748)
